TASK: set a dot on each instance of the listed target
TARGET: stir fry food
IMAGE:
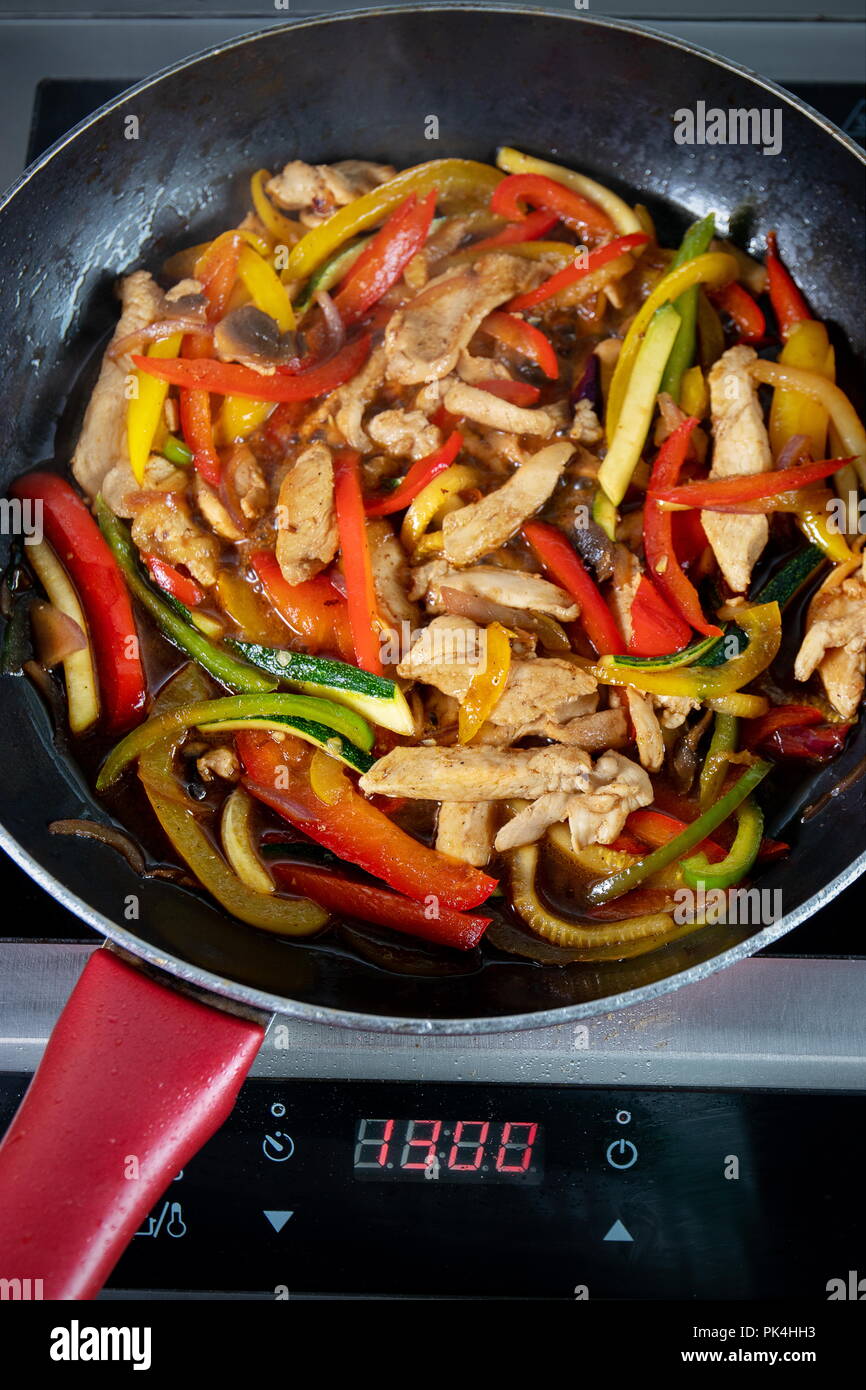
(443, 551)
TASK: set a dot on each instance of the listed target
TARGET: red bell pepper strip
(656, 630)
(524, 338)
(755, 731)
(83, 552)
(384, 259)
(422, 472)
(171, 581)
(658, 534)
(816, 744)
(529, 228)
(231, 379)
(517, 392)
(564, 564)
(314, 611)
(217, 271)
(789, 306)
(655, 828)
(356, 831)
(356, 562)
(746, 487)
(570, 274)
(539, 191)
(742, 310)
(197, 428)
(349, 898)
(689, 536)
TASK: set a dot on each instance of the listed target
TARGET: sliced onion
(484, 611)
(107, 834)
(334, 325)
(153, 332)
(793, 451)
(56, 635)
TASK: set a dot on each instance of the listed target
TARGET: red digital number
(420, 1141)
(477, 1144)
(380, 1142)
(510, 1147)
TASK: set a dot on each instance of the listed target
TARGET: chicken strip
(595, 815)
(512, 588)
(424, 338)
(465, 830)
(390, 575)
(482, 527)
(163, 526)
(476, 774)
(647, 730)
(740, 446)
(404, 433)
(101, 449)
(305, 519)
(835, 644)
(315, 191)
(486, 409)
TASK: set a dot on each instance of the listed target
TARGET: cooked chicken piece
(586, 427)
(101, 446)
(620, 596)
(423, 339)
(185, 290)
(450, 651)
(219, 762)
(494, 448)
(404, 433)
(317, 190)
(464, 830)
(483, 526)
(673, 709)
(306, 523)
(214, 512)
(473, 774)
(163, 526)
(486, 409)
(513, 588)
(740, 446)
(390, 575)
(604, 729)
(250, 483)
(596, 815)
(474, 369)
(347, 404)
(647, 730)
(835, 644)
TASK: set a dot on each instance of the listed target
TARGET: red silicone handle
(135, 1078)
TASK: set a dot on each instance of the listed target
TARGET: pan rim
(224, 988)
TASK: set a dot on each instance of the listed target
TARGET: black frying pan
(593, 94)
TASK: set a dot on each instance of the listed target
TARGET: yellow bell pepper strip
(239, 417)
(266, 289)
(697, 870)
(79, 670)
(843, 416)
(487, 683)
(281, 228)
(694, 396)
(178, 815)
(236, 834)
(633, 936)
(144, 411)
(621, 215)
(723, 741)
(426, 506)
(740, 705)
(695, 243)
(713, 269)
(762, 625)
(220, 663)
(618, 883)
(356, 563)
(629, 437)
(451, 177)
(791, 413)
(281, 710)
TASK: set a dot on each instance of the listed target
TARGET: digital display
(502, 1151)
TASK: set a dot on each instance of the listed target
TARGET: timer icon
(622, 1153)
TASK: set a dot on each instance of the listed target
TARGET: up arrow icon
(618, 1232)
(278, 1219)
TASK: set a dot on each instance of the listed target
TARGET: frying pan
(137, 1074)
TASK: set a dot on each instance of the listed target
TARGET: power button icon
(622, 1153)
